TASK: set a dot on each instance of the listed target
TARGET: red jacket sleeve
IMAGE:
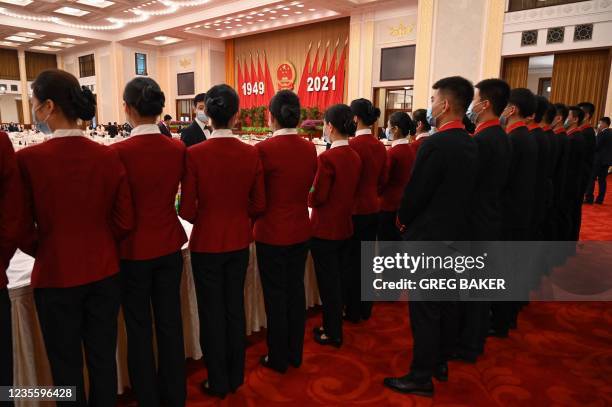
(123, 210)
(257, 198)
(11, 201)
(323, 182)
(189, 197)
(383, 178)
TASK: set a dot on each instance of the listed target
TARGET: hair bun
(84, 103)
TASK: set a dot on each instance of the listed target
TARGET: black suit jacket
(543, 182)
(604, 148)
(164, 130)
(193, 134)
(494, 155)
(574, 184)
(518, 195)
(436, 202)
(590, 147)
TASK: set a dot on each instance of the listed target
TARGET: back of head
(541, 106)
(550, 113)
(200, 97)
(577, 112)
(222, 104)
(75, 101)
(365, 110)
(588, 108)
(420, 116)
(341, 118)
(562, 111)
(285, 108)
(605, 120)
(524, 100)
(145, 96)
(402, 121)
(167, 117)
(496, 91)
(459, 92)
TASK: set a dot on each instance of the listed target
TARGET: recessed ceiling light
(273, 11)
(197, 26)
(216, 25)
(188, 28)
(266, 9)
(226, 22)
(311, 9)
(217, 29)
(96, 3)
(30, 35)
(237, 25)
(299, 5)
(207, 27)
(240, 15)
(286, 8)
(71, 41)
(55, 44)
(261, 20)
(298, 12)
(285, 15)
(17, 2)
(261, 14)
(249, 22)
(229, 26)
(237, 19)
(9, 44)
(44, 48)
(71, 11)
(248, 17)
(161, 38)
(272, 18)
(19, 38)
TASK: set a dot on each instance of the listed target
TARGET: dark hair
(365, 110)
(285, 108)
(459, 89)
(420, 115)
(550, 113)
(587, 107)
(341, 117)
(541, 105)
(402, 121)
(496, 91)
(144, 95)
(75, 101)
(200, 97)
(222, 103)
(606, 120)
(167, 117)
(524, 100)
(562, 110)
(577, 112)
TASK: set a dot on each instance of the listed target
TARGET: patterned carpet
(560, 355)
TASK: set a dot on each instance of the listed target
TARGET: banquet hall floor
(561, 354)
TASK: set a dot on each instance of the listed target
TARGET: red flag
(247, 80)
(312, 71)
(319, 98)
(339, 80)
(240, 84)
(269, 85)
(331, 71)
(302, 94)
(260, 84)
(254, 80)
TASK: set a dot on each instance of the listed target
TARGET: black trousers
(219, 283)
(155, 283)
(6, 342)
(85, 316)
(387, 231)
(474, 325)
(600, 175)
(281, 269)
(364, 230)
(434, 327)
(331, 260)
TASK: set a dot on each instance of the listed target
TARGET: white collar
(284, 132)
(421, 135)
(339, 143)
(201, 124)
(145, 129)
(399, 141)
(363, 132)
(222, 133)
(67, 133)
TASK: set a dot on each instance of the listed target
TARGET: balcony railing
(517, 5)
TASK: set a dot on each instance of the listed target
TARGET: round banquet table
(31, 367)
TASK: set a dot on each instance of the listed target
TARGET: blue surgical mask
(201, 116)
(430, 117)
(471, 114)
(566, 123)
(42, 126)
(388, 134)
(503, 121)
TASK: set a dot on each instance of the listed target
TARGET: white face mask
(389, 134)
(326, 135)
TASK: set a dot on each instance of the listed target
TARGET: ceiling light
(22, 3)
(216, 25)
(248, 17)
(188, 28)
(249, 22)
(311, 9)
(9, 44)
(266, 9)
(161, 38)
(30, 35)
(217, 29)
(285, 15)
(299, 5)
(44, 48)
(261, 20)
(237, 25)
(286, 8)
(197, 26)
(229, 26)
(96, 3)
(71, 41)
(238, 19)
(71, 11)
(19, 38)
(298, 12)
(226, 22)
(261, 14)
(273, 11)
(55, 44)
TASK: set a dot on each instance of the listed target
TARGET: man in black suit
(590, 143)
(164, 126)
(197, 130)
(603, 161)
(561, 209)
(494, 155)
(435, 207)
(578, 170)
(517, 195)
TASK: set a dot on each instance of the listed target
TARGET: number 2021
(321, 83)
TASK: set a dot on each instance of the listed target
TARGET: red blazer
(401, 160)
(333, 193)
(154, 165)
(11, 206)
(222, 188)
(416, 144)
(78, 196)
(289, 164)
(374, 171)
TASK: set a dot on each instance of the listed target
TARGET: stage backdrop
(268, 62)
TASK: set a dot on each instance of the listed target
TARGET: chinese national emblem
(285, 76)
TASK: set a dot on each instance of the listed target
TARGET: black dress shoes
(441, 372)
(265, 362)
(321, 340)
(206, 389)
(408, 385)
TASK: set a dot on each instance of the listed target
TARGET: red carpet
(560, 355)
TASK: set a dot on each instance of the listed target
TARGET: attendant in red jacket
(78, 207)
(365, 211)
(11, 206)
(222, 190)
(332, 197)
(283, 230)
(423, 129)
(151, 259)
(400, 158)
